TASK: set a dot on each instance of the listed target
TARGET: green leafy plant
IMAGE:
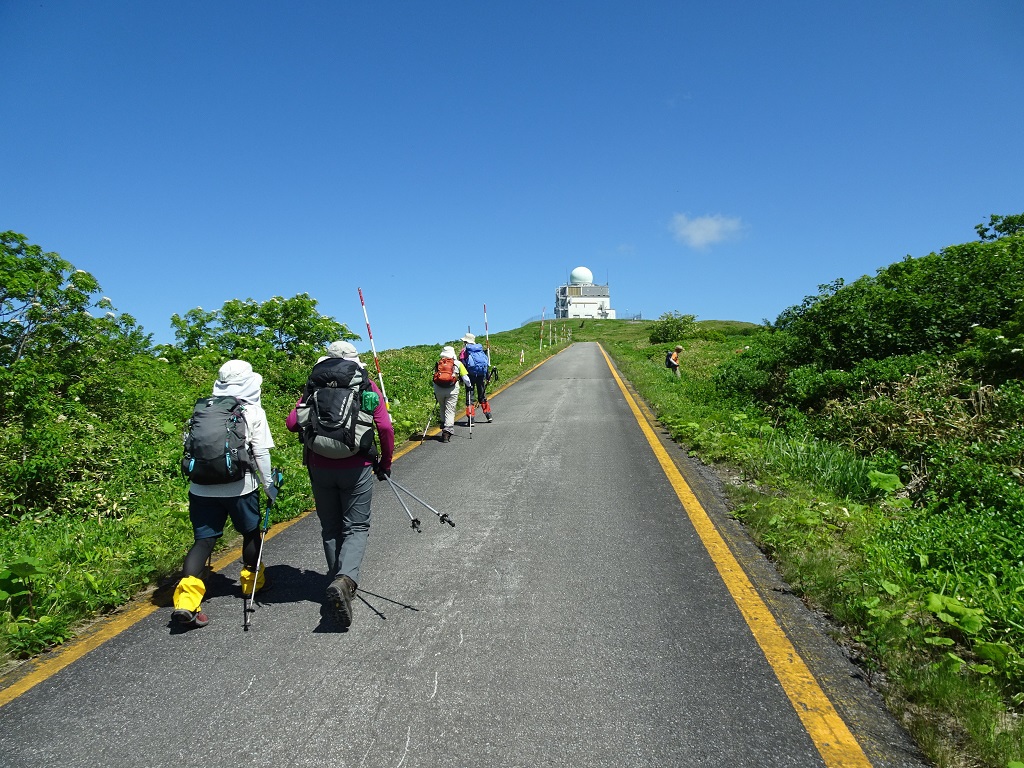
(672, 327)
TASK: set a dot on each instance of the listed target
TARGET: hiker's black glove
(381, 472)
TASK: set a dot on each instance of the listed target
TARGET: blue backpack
(476, 361)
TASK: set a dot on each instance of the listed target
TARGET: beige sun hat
(342, 349)
(469, 338)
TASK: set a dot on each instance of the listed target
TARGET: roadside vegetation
(877, 434)
(873, 436)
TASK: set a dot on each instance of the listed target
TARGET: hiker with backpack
(478, 364)
(672, 360)
(227, 459)
(448, 372)
(340, 409)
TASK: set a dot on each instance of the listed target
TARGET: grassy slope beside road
(812, 506)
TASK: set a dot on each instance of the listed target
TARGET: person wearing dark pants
(478, 364)
(343, 486)
(342, 496)
(210, 505)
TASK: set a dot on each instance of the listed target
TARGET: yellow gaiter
(247, 576)
(188, 595)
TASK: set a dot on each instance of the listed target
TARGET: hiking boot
(189, 619)
(339, 599)
(488, 417)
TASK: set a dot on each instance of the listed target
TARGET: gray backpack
(335, 417)
(214, 442)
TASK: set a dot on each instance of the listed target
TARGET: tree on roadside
(1000, 226)
(46, 308)
(280, 336)
(61, 374)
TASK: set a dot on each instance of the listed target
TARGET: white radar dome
(581, 275)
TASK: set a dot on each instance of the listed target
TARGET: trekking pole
(440, 422)
(415, 521)
(487, 338)
(277, 480)
(430, 415)
(376, 362)
(443, 518)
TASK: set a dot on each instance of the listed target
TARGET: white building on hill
(581, 298)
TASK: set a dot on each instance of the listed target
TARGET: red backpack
(444, 372)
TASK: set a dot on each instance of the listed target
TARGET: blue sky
(720, 159)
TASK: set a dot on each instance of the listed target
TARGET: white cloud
(702, 231)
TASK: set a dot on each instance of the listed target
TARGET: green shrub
(671, 328)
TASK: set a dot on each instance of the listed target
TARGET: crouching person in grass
(226, 475)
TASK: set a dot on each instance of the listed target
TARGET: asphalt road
(573, 617)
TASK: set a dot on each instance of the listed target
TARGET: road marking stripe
(110, 627)
(831, 736)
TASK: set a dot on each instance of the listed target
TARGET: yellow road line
(835, 742)
(108, 628)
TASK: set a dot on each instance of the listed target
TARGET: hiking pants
(480, 385)
(209, 514)
(448, 399)
(342, 499)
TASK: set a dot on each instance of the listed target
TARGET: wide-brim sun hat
(448, 351)
(237, 372)
(469, 338)
(237, 379)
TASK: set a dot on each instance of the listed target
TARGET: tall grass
(802, 457)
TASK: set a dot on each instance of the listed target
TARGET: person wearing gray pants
(448, 372)
(342, 481)
(342, 498)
